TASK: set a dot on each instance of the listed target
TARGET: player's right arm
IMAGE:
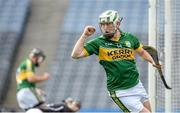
(78, 50)
(25, 72)
(36, 78)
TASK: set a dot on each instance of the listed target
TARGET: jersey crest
(128, 44)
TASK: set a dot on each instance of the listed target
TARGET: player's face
(38, 60)
(107, 27)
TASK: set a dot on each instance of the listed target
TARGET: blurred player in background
(116, 51)
(29, 96)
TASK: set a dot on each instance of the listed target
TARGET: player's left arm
(144, 54)
(138, 47)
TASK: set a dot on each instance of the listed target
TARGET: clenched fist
(46, 76)
(89, 30)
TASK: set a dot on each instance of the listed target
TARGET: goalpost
(168, 53)
(152, 42)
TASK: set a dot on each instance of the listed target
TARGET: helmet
(74, 105)
(35, 52)
(34, 110)
(109, 16)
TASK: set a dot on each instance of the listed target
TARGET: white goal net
(174, 52)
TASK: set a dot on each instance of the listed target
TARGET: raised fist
(89, 30)
(46, 76)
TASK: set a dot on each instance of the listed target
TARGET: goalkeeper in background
(116, 51)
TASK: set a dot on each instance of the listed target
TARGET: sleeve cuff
(86, 52)
(139, 48)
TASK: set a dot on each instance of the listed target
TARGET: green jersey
(117, 58)
(25, 70)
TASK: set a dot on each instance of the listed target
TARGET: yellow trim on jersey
(139, 47)
(110, 54)
(23, 75)
(85, 51)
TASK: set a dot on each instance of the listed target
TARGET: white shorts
(28, 98)
(130, 100)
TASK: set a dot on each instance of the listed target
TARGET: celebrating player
(116, 52)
